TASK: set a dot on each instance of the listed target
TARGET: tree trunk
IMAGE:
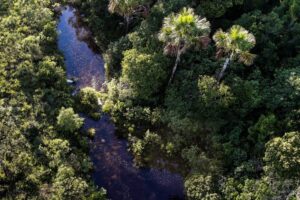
(127, 22)
(227, 61)
(175, 66)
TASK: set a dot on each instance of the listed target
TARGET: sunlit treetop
(184, 29)
(237, 42)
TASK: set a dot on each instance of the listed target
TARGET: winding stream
(113, 164)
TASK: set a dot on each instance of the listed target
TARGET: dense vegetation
(43, 155)
(212, 83)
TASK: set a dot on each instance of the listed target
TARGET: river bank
(113, 164)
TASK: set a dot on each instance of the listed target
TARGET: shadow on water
(113, 164)
(82, 62)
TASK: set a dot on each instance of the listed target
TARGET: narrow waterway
(113, 164)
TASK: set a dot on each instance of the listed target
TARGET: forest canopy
(43, 154)
(214, 84)
(211, 85)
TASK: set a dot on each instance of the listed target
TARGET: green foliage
(249, 189)
(219, 129)
(56, 151)
(236, 42)
(67, 186)
(4, 7)
(200, 187)
(199, 161)
(114, 55)
(282, 155)
(141, 147)
(213, 96)
(123, 7)
(284, 91)
(34, 155)
(262, 130)
(19, 161)
(183, 29)
(170, 148)
(145, 74)
(126, 8)
(228, 135)
(98, 194)
(105, 26)
(88, 102)
(273, 43)
(91, 132)
(68, 121)
(217, 8)
(294, 8)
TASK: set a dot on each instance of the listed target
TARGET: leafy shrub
(68, 121)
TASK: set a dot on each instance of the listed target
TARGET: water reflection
(115, 170)
(113, 164)
(82, 62)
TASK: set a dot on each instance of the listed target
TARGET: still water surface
(113, 164)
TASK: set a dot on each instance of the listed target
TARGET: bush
(144, 73)
(114, 55)
(87, 102)
(68, 121)
(282, 155)
(91, 132)
(200, 187)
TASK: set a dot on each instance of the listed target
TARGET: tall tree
(181, 31)
(125, 8)
(234, 44)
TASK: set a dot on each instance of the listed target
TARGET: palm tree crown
(183, 29)
(234, 44)
(126, 8)
(237, 42)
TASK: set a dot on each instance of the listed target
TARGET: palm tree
(234, 44)
(181, 31)
(125, 8)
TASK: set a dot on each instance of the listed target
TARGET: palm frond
(112, 6)
(247, 58)
(221, 39)
(242, 39)
(184, 28)
(237, 41)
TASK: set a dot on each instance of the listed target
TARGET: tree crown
(184, 29)
(237, 41)
(124, 7)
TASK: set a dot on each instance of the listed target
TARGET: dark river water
(113, 164)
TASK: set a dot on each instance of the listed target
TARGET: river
(113, 164)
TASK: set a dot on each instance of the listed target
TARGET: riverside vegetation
(213, 85)
(43, 152)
